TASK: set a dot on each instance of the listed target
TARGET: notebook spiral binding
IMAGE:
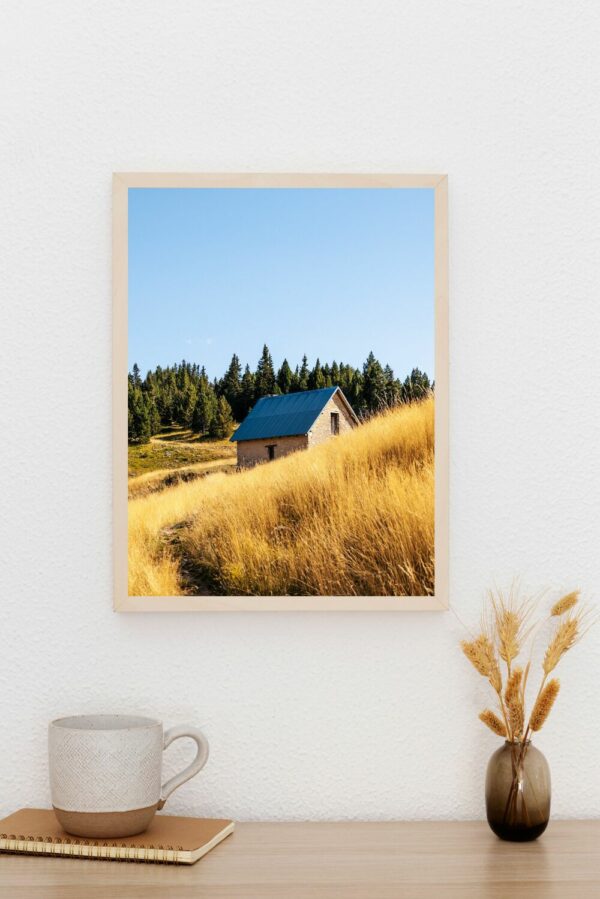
(89, 849)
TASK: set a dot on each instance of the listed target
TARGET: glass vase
(517, 792)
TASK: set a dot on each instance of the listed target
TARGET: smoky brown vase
(517, 792)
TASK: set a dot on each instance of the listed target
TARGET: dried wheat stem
(482, 655)
(564, 638)
(494, 723)
(565, 603)
(543, 704)
(524, 682)
(510, 616)
(514, 704)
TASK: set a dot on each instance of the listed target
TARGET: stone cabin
(278, 425)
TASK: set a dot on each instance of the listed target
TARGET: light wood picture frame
(122, 184)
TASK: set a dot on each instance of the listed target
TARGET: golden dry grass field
(352, 517)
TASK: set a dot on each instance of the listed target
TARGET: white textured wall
(309, 715)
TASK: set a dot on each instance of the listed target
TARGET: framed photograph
(280, 392)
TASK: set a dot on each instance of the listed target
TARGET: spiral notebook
(169, 839)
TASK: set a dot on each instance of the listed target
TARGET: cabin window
(271, 451)
(335, 422)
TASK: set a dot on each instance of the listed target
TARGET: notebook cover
(165, 831)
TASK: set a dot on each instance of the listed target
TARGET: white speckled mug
(106, 772)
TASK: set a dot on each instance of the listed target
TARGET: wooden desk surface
(346, 861)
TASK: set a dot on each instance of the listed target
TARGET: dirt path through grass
(192, 579)
(175, 450)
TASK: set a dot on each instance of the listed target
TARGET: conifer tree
(393, 388)
(246, 393)
(303, 374)
(316, 379)
(153, 416)
(230, 386)
(205, 409)
(221, 425)
(374, 385)
(353, 390)
(264, 381)
(187, 405)
(416, 386)
(285, 377)
(142, 417)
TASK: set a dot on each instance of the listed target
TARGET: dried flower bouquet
(506, 631)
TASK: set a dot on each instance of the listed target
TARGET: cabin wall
(250, 452)
(321, 430)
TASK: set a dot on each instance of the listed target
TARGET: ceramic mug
(106, 772)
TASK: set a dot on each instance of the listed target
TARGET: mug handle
(174, 733)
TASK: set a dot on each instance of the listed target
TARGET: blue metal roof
(283, 416)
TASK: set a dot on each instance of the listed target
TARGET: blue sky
(330, 273)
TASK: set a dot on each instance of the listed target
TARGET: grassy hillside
(352, 517)
(157, 480)
(176, 448)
